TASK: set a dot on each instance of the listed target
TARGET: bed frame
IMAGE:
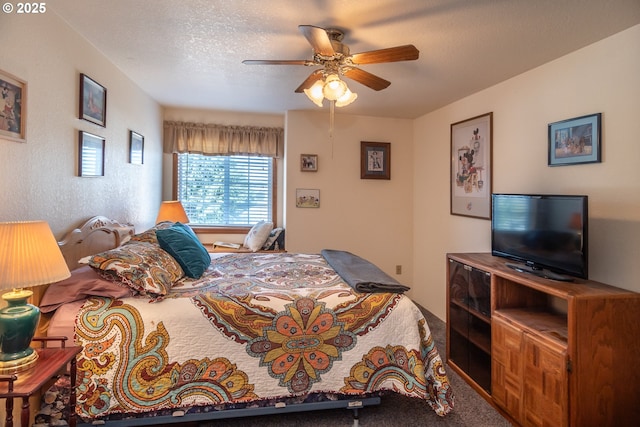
(101, 233)
(96, 235)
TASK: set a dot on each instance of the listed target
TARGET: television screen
(546, 233)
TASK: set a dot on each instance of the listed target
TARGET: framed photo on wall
(575, 141)
(90, 155)
(375, 160)
(136, 148)
(13, 110)
(471, 142)
(307, 198)
(309, 162)
(93, 101)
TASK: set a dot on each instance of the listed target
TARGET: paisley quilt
(254, 327)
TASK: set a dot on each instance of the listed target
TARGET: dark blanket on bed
(360, 274)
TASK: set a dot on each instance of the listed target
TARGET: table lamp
(173, 211)
(29, 256)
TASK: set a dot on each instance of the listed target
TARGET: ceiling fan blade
(318, 38)
(313, 77)
(367, 79)
(393, 54)
(278, 62)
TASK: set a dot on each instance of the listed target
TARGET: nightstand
(26, 383)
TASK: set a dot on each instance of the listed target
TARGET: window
(225, 191)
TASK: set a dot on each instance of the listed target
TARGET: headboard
(96, 235)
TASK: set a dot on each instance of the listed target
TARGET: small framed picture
(93, 101)
(90, 155)
(575, 141)
(13, 114)
(136, 148)
(375, 160)
(471, 169)
(307, 198)
(309, 162)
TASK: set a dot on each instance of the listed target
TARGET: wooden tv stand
(544, 352)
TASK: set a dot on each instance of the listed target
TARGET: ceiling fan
(336, 60)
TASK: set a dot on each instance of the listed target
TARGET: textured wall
(38, 179)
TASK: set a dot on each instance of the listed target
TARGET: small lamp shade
(29, 256)
(314, 93)
(173, 211)
(334, 88)
(346, 99)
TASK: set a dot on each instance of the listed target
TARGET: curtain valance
(181, 137)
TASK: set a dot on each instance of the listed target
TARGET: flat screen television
(545, 234)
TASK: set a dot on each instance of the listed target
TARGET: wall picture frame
(471, 170)
(309, 162)
(375, 160)
(575, 141)
(13, 108)
(307, 198)
(136, 148)
(93, 101)
(90, 155)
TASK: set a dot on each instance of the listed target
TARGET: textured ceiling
(188, 53)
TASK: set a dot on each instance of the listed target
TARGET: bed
(250, 334)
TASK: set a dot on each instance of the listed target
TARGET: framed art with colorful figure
(13, 108)
(471, 169)
(93, 101)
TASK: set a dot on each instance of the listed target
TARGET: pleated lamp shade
(29, 256)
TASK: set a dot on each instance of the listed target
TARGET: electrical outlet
(398, 269)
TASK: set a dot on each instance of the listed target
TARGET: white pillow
(258, 234)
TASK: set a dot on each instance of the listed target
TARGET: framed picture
(309, 162)
(93, 101)
(136, 148)
(375, 160)
(471, 142)
(13, 108)
(575, 141)
(307, 198)
(90, 155)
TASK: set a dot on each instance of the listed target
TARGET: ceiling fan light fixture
(334, 88)
(346, 99)
(314, 93)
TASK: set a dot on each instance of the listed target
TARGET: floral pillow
(143, 266)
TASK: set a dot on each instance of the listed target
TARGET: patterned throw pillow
(275, 241)
(143, 266)
(258, 235)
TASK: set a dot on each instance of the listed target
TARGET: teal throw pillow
(185, 247)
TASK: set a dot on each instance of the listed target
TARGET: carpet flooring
(395, 410)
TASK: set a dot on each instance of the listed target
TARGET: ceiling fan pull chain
(332, 109)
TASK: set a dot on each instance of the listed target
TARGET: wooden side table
(24, 384)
